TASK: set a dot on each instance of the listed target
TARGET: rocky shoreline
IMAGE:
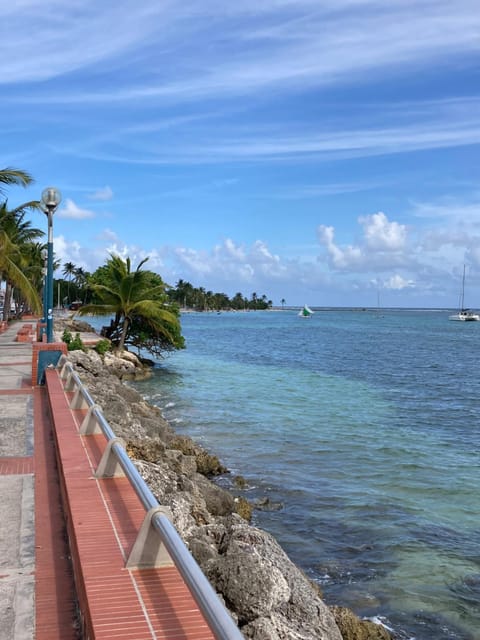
(269, 597)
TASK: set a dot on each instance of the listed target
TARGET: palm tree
(11, 176)
(238, 301)
(183, 293)
(200, 299)
(10, 259)
(69, 271)
(81, 281)
(33, 253)
(129, 295)
(283, 301)
(17, 235)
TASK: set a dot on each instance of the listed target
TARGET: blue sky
(319, 152)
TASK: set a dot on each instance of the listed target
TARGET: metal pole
(50, 277)
(44, 295)
(44, 316)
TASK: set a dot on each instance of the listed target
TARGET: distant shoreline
(326, 309)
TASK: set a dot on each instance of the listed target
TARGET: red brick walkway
(55, 598)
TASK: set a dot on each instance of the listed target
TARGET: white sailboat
(306, 312)
(464, 315)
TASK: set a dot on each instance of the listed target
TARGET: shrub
(66, 336)
(243, 508)
(76, 344)
(102, 346)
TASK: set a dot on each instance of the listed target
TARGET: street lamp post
(51, 198)
(44, 281)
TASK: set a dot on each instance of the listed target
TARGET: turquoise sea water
(363, 430)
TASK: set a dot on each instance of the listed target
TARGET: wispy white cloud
(422, 126)
(398, 283)
(73, 211)
(450, 232)
(232, 262)
(310, 145)
(109, 236)
(70, 36)
(103, 194)
(449, 208)
(283, 44)
(316, 190)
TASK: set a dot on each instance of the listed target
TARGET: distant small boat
(306, 312)
(464, 315)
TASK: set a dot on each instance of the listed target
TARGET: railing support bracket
(109, 466)
(70, 383)
(90, 424)
(78, 401)
(149, 550)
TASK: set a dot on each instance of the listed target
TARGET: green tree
(11, 176)
(182, 293)
(139, 304)
(12, 261)
(82, 284)
(33, 258)
(12, 271)
(17, 236)
(69, 270)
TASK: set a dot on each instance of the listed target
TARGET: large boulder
(126, 366)
(267, 593)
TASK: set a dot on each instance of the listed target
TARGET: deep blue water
(363, 428)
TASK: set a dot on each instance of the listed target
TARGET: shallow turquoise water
(364, 427)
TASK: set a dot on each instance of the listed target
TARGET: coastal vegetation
(75, 287)
(189, 297)
(20, 256)
(143, 316)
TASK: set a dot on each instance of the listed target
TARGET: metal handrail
(217, 616)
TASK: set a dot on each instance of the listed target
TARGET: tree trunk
(121, 344)
(7, 301)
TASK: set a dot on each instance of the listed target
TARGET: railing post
(109, 466)
(64, 367)
(149, 550)
(78, 401)
(90, 424)
(70, 384)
